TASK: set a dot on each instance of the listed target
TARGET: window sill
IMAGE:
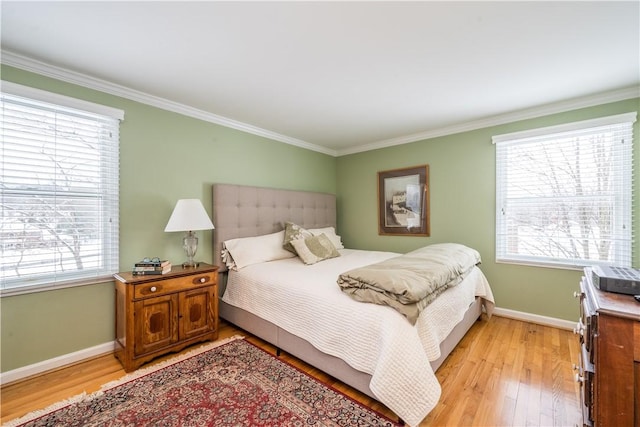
(22, 290)
(541, 264)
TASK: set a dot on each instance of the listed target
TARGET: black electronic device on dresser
(620, 280)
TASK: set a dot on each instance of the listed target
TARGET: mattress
(306, 301)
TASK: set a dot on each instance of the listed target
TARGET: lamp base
(190, 246)
(190, 264)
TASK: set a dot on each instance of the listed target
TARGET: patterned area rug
(229, 383)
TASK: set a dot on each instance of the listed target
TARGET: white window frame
(622, 241)
(108, 214)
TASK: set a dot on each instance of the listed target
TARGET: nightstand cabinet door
(196, 312)
(156, 315)
(156, 324)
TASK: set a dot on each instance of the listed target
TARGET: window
(564, 194)
(59, 165)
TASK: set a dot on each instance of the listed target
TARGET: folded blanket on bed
(411, 281)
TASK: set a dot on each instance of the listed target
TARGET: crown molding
(529, 113)
(28, 64)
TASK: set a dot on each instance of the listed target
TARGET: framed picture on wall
(403, 201)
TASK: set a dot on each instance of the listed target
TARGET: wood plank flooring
(503, 373)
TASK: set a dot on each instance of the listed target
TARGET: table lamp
(189, 216)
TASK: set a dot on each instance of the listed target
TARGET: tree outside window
(564, 196)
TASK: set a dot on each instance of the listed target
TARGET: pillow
(244, 251)
(330, 232)
(315, 249)
(293, 232)
(227, 259)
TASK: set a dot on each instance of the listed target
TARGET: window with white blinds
(59, 166)
(564, 194)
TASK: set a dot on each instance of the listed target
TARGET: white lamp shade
(189, 215)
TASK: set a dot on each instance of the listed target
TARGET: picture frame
(403, 201)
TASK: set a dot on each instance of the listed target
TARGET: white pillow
(246, 251)
(330, 232)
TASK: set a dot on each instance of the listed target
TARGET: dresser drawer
(636, 339)
(588, 323)
(168, 286)
(586, 377)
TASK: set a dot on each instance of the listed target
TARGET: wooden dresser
(156, 315)
(609, 370)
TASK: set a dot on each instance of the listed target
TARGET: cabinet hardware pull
(153, 289)
(579, 378)
(202, 280)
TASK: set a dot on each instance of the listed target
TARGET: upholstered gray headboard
(245, 211)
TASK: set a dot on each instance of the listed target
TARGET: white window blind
(564, 194)
(59, 170)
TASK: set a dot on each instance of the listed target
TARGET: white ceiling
(338, 77)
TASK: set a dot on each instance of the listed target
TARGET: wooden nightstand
(156, 315)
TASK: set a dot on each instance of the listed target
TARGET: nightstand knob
(202, 280)
(153, 289)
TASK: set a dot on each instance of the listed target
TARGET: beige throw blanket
(411, 281)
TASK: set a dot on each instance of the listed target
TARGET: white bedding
(306, 301)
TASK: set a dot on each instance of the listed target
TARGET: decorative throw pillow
(315, 248)
(330, 232)
(293, 232)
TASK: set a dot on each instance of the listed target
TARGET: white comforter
(306, 301)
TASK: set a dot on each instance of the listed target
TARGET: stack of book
(151, 266)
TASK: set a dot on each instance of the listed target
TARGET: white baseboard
(56, 362)
(98, 350)
(535, 318)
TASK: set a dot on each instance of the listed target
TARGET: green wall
(164, 157)
(462, 184)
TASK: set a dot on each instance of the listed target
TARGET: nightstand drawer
(163, 287)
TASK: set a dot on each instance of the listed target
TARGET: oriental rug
(226, 383)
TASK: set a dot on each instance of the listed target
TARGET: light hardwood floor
(503, 373)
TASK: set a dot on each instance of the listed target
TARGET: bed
(297, 307)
